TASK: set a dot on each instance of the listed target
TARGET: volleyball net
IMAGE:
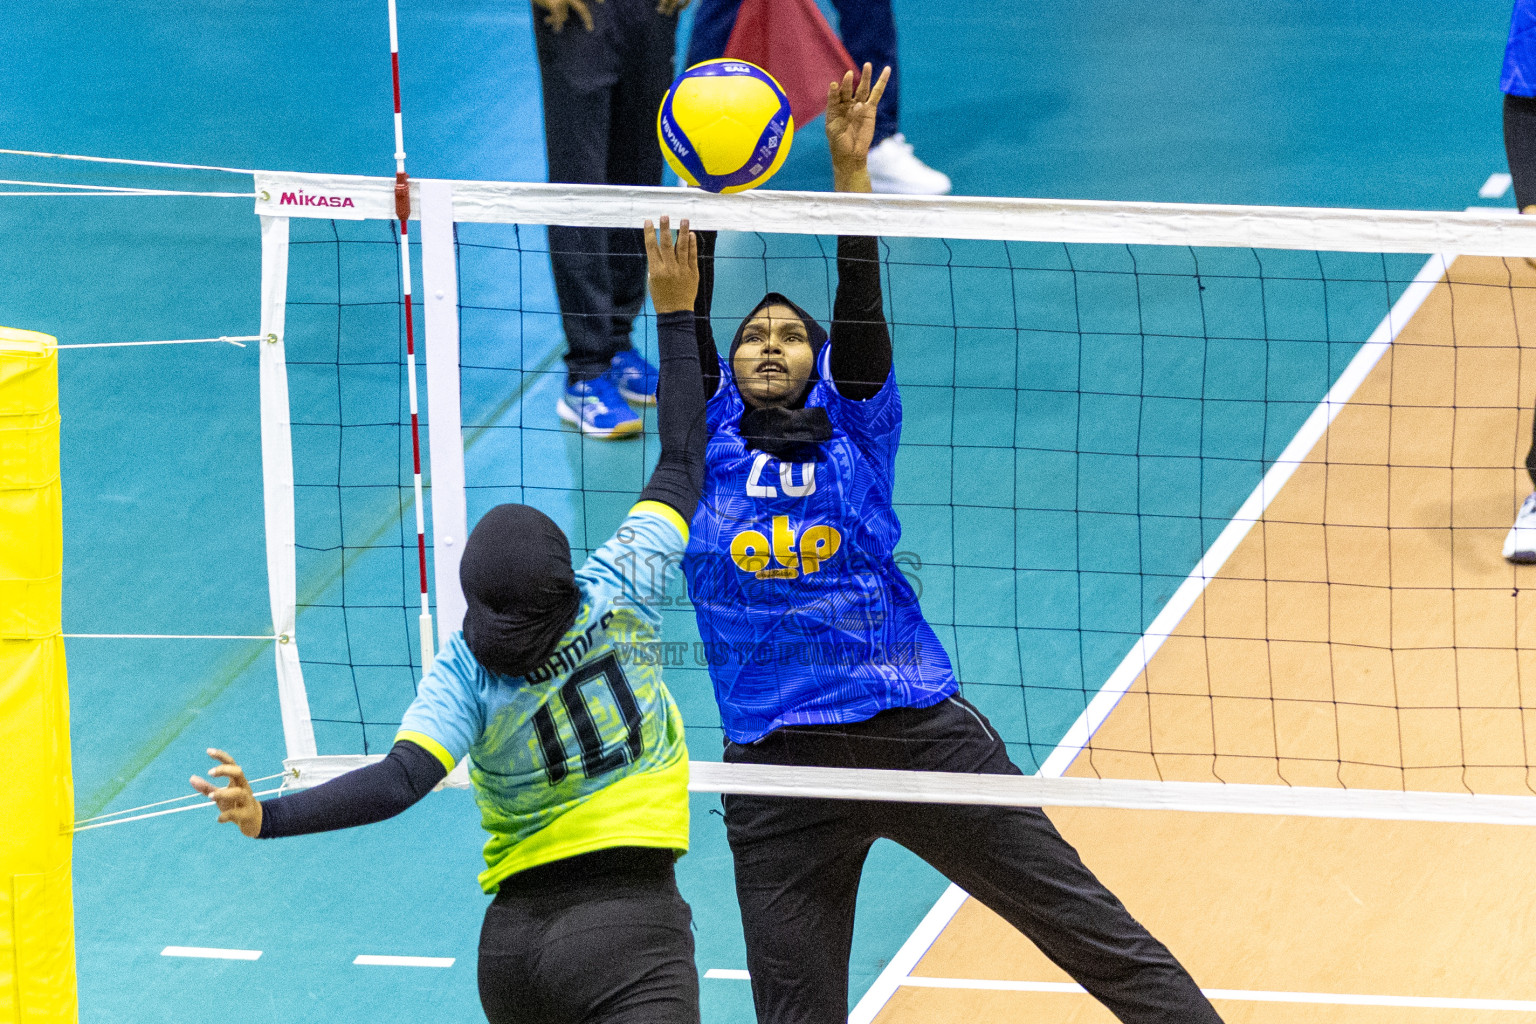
(1205, 503)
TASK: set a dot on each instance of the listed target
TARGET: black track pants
(798, 863)
(606, 946)
(1520, 148)
(601, 92)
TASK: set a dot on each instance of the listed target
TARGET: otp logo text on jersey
(754, 553)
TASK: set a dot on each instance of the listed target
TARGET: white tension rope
(284, 638)
(81, 188)
(92, 823)
(237, 340)
(124, 160)
(403, 213)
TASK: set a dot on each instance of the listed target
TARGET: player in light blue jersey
(575, 746)
(820, 655)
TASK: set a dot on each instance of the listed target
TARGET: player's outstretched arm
(851, 127)
(860, 339)
(235, 800)
(674, 283)
(361, 797)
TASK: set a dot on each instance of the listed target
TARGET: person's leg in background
(1520, 148)
(868, 30)
(713, 21)
(634, 158)
(579, 70)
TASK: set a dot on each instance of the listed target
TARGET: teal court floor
(1100, 496)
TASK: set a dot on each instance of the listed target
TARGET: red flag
(791, 41)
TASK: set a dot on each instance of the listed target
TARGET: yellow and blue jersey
(805, 616)
(586, 752)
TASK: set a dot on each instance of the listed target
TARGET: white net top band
(1479, 232)
(1037, 791)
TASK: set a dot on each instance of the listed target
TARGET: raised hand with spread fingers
(851, 127)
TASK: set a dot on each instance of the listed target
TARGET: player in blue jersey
(575, 746)
(820, 655)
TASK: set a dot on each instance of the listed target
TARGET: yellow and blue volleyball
(725, 125)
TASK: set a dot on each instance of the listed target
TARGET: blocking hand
(851, 118)
(236, 801)
(674, 266)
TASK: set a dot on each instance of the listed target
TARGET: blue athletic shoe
(635, 377)
(598, 409)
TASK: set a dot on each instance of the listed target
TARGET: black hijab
(520, 589)
(781, 430)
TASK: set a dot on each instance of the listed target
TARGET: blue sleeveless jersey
(1519, 77)
(805, 616)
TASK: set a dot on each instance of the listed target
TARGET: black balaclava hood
(520, 589)
(782, 429)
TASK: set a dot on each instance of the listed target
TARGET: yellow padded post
(37, 928)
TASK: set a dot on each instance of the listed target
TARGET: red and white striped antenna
(403, 212)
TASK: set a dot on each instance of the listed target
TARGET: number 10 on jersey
(604, 673)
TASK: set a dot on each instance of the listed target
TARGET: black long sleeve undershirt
(704, 331)
(860, 338)
(361, 797)
(678, 478)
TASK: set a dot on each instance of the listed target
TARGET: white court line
(1245, 995)
(1495, 186)
(906, 959)
(912, 951)
(211, 953)
(1249, 995)
(369, 960)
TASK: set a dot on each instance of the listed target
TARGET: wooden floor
(1366, 634)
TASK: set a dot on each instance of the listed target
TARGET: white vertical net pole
(277, 487)
(445, 435)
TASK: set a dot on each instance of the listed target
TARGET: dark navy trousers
(601, 93)
(1520, 148)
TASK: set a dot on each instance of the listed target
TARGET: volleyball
(725, 125)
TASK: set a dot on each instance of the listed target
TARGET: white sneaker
(1520, 545)
(894, 168)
